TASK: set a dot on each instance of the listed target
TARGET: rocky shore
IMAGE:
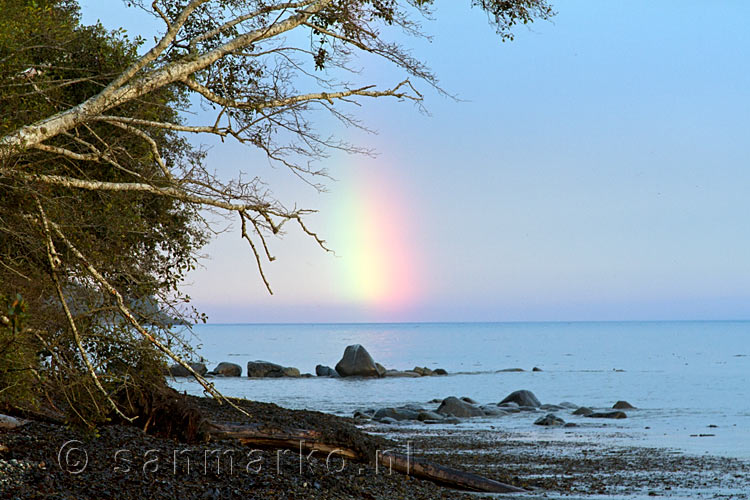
(42, 460)
(47, 461)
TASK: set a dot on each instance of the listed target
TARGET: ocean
(689, 380)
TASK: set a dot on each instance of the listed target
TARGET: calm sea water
(683, 376)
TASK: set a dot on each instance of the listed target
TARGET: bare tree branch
(54, 262)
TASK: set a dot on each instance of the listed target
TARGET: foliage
(144, 245)
(17, 354)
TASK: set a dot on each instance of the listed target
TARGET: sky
(595, 168)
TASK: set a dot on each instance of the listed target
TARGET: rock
(522, 398)
(436, 400)
(583, 411)
(509, 370)
(529, 408)
(412, 406)
(180, 371)
(429, 415)
(607, 414)
(493, 411)
(226, 369)
(427, 372)
(325, 371)
(266, 369)
(396, 414)
(397, 373)
(550, 419)
(8, 422)
(381, 369)
(439, 371)
(536, 369)
(571, 424)
(549, 407)
(258, 369)
(357, 362)
(418, 369)
(454, 407)
(623, 405)
(569, 405)
(509, 407)
(469, 400)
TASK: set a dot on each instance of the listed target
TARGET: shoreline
(152, 466)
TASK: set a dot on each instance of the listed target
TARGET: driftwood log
(307, 440)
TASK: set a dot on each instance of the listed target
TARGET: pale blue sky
(596, 169)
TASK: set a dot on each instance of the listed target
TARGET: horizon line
(261, 323)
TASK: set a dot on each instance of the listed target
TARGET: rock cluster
(356, 362)
(452, 410)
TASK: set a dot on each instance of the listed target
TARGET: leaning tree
(103, 193)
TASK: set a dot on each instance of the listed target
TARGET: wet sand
(578, 468)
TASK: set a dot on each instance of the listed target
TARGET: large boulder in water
(226, 369)
(454, 407)
(522, 398)
(180, 371)
(260, 369)
(357, 362)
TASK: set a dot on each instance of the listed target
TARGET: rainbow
(380, 262)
